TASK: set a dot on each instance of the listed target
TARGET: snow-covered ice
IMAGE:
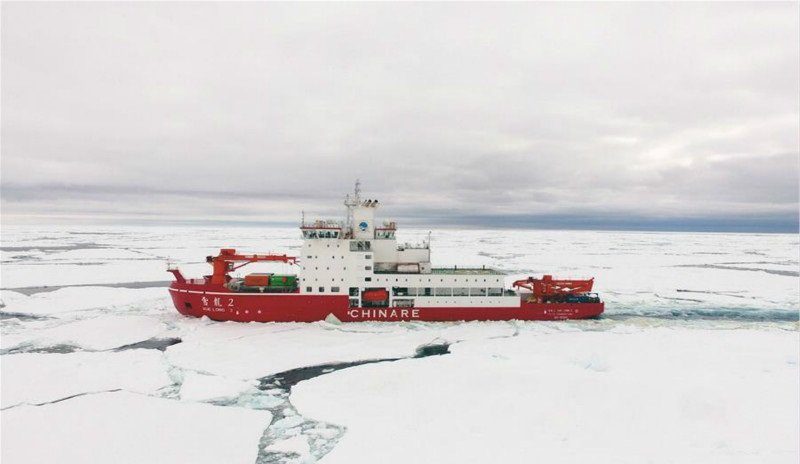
(695, 360)
(256, 350)
(654, 395)
(204, 387)
(37, 378)
(96, 333)
(123, 427)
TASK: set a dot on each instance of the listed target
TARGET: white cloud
(255, 110)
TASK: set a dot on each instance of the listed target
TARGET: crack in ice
(112, 390)
(320, 436)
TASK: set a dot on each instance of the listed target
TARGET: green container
(282, 281)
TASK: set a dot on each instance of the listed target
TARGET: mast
(350, 203)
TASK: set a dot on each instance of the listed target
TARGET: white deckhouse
(359, 258)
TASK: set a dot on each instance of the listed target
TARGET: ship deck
(450, 271)
(466, 271)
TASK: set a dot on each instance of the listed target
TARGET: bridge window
(360, 245)
(322, 233)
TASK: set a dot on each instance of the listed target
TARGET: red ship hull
(219, 303)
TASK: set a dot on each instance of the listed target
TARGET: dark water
(160, 344)
(52, 349)
(703, 314)
(21, 316)
(287, 379)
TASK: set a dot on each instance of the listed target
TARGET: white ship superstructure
(357, 257)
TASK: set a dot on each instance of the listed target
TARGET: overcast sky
(679, 115)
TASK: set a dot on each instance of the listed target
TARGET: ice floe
(659, 395)
(203, 387)
(37, 378)
(123, 427)
(92, 334)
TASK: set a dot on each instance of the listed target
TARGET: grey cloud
(252, 111)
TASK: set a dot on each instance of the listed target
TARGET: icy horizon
(734, 225)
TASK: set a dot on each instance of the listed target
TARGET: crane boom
(228, 260)
(549, 287)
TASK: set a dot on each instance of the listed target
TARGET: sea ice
(125, 427)
(654, 395)
(36, 378)
(297, 444)
(247, 351)
(72, 299)
(92, 334)
(202, 387)
(695, 359)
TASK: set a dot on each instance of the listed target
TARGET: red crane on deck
(547, 287)
(228, 261)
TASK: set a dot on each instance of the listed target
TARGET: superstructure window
(477, 292)
(322, 289)
(495, 292)
(360, 245)
(426, 291)
(460, 291)
(353, 291)
(334, 289)
(443, 291)
(309, 290)
(367, 279)
(401, 291)
(322, 233)
(367, 268)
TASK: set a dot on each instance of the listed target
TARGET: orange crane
(228, 261)
(547, 287)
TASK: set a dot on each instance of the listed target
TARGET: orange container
(256, 280)
(377, 294)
